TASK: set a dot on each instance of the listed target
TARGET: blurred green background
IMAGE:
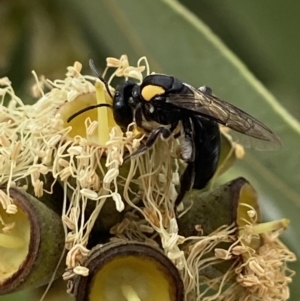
(247, 51)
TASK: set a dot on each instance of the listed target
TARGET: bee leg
(187, 143)
(186, 182)
(165, 133)
(188, 155)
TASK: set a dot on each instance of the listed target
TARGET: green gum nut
(225, 205)
(130, 271)
(31, 243)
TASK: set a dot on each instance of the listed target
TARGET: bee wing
(226, 114)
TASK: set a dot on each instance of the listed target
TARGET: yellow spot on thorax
(150, 91)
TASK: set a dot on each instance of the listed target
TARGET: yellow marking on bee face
(150, 91)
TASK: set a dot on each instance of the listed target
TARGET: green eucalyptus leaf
(274, 45)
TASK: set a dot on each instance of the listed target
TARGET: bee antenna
(87, 109)
(94, 69)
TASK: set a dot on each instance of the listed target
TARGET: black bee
(163, 106)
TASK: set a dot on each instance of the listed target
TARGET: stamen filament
(271, 226)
